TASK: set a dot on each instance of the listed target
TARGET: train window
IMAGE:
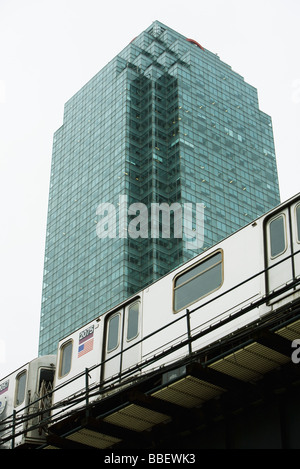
(298, 222)
(113, 332)
(198, 281)
(65, 358)
(20, 387)
(133, 321)
(277, 236)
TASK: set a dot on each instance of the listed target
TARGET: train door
(44, 388)
(122, 347)
(281, 242)
(296, 237)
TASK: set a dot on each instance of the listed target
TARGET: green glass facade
(164, 121)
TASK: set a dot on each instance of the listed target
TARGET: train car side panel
(78, 351)
(206, 283)
(242, 260)
(158, 319)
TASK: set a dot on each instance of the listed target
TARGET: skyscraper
(166, 121)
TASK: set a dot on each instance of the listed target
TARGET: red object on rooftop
(195, 42)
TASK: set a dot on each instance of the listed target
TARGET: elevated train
(188, 309)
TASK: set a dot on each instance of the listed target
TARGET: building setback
(166, 121)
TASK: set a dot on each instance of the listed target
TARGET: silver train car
(235, 283)
(24, 401)
(186, 310)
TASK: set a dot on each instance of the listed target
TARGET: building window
(277, 236)
(133, 321)
(65, 358)
(20, 388)
(113, 332)
(198, 281)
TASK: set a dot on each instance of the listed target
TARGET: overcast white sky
(50, 48)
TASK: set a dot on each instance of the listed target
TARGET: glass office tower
(166, 121)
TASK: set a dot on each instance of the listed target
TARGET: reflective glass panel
(113, 333)
(21, 386)
(66, 358)
(298, 221)
(277, 236)
(133, 321)
(198, 282)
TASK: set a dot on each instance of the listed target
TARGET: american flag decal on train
(86, 341)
